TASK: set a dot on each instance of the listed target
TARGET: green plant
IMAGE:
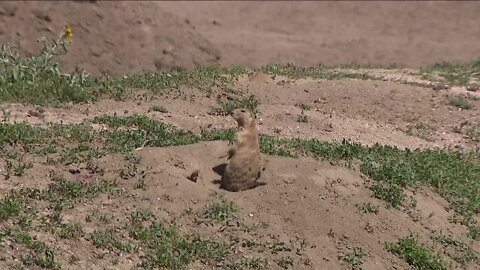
(472, 97)
(354, 257)
(71, 230)
(473, 132)
(304, 106)
(302, 118)
(109, 239)
(16, 168)
(460, 102)
(285, 262)
(251, 102)
(10, 206)
(317, 72)
(222, 211)
(416, 254)
(455, 73)
(474, 232)
(165, 247)
(457, 250)
(367, 207)
(38, 253)
(252, 263)
(420, 130)
(38, 78)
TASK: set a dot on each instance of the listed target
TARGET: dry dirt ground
(124, 37)
(307, 216)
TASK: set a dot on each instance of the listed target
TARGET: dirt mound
(305, 200)
(114, 37)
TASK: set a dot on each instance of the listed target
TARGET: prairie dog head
(244, 117)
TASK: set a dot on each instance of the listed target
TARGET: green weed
(39, 253)
(304, 106)
(457, 250)
(70, 230)
(367, 207)
(316, 72)
(251, 102)
(460, 102)
(420, 130)
(354, 257)
(285, 262)
(474, 232)
(302, 118)
(416, 254)
(250, 263)
(167, 248)
(222, 212)
(455, 73)
(109, 239)
(10, 206)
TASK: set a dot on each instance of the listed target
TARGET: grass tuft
(455, 73)
(167, 248)
(460, 102)
(416, 254)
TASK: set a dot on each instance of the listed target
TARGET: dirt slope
(109, 36)
(125, 37)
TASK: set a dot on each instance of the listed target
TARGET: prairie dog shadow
(219, 169)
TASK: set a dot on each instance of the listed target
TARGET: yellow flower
(68, 31)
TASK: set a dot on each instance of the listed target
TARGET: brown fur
(245, 163)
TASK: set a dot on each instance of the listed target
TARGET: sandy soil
(304, 198)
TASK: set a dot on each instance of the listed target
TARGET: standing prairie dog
(245, 163)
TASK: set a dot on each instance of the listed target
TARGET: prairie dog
(245, 164)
